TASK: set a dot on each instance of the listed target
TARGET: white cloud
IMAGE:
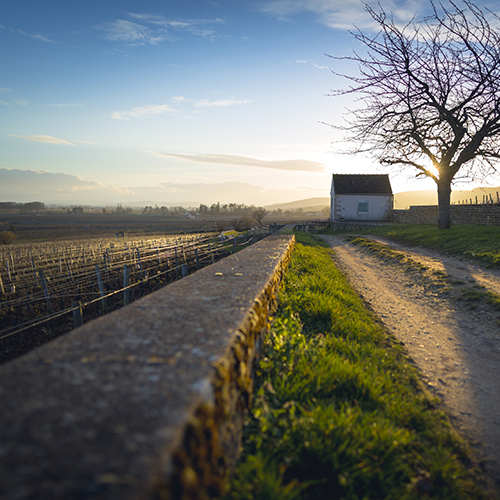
(308, 61)
(245, 161)
(179, 99)
(86, 142)
(176, 101)
(196, 27)
(22, 102)
(3, 90)
(222, 103)
(142, 112)
(341, 15)
(126, 31)
(43, 138)
(153, 29)
(37, 36)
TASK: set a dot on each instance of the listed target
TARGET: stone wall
(146, 402)
(461, 215)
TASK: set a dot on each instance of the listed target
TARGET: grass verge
(339, 410)
(434, 282)
(479, 243)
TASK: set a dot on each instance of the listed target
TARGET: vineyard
(47, 289)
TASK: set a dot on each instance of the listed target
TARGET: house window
(362, 207)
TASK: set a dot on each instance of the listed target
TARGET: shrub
(7, 237)
(245, 223)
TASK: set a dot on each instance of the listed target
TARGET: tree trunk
(444, 197)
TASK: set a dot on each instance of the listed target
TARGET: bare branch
(429, 91)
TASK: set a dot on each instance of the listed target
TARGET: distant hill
(479, 193)
(408, 198)
(184, 204)
(309, 204)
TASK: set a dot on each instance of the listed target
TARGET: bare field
(56, 226)
(49, 226)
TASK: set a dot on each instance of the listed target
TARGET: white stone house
(361, 198)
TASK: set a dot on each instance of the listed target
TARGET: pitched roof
(361, 184)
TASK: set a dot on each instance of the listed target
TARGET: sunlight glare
(433, 170)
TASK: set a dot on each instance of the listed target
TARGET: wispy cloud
(340, 15)
(62, 105)
(144, 29)
(307, 61)
(37, 36)
(18, 101)
(121, 30)
(85, 142)
(197, 27)
(222, 103)
(4, 90)
(176, 104)
(43, 138)
(142, 112)
(245, 161)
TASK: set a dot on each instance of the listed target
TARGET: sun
(433, 170)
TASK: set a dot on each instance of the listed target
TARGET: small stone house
(361, 198)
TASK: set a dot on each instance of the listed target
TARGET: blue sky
(175, 101)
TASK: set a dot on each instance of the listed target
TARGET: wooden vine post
(101, 286)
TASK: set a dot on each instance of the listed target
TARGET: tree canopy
(430, 94)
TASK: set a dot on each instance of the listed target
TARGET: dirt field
(452, 335)
(57, 226)
(50, 226)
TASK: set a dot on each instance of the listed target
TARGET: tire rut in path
(456, 349)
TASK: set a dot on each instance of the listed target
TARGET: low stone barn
(361, 198)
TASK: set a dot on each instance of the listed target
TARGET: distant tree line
(163, 210)
(231, 209)
(215, 210)
(224, 210)
(11, 207)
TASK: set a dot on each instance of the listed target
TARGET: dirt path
(455, 344)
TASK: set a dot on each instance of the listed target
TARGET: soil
(436, 306)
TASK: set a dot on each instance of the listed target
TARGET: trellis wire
(78, 305)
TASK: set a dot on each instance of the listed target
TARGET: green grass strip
(339, 411)
(479, 243)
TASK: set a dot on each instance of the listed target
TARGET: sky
(177, 101)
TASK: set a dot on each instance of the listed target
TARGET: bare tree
(431, 95)
(258, 214)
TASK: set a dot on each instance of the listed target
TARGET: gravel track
(455, 343)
